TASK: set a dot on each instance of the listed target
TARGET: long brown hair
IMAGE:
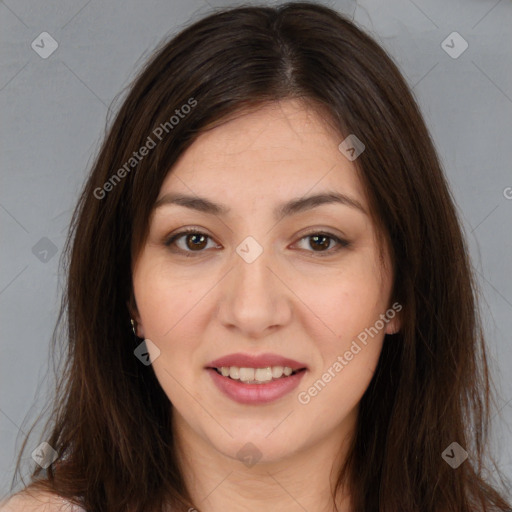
(431, 387)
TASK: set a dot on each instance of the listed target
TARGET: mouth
(255, 386)
(256, 378)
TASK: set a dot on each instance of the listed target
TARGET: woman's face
(265, 285)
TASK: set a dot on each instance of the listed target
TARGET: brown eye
(194, 241)
(320, 243)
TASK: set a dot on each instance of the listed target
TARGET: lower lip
(256, 393)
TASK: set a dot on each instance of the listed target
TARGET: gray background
(54, 112)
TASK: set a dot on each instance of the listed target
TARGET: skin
(290, 301)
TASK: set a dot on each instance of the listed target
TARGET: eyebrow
(291, 207)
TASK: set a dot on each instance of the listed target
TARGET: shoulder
(37, 502)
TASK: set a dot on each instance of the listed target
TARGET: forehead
(281, 150)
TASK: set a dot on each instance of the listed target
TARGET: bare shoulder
(37, 501)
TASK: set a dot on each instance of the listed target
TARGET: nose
(254, 299)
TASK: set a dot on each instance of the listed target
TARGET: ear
(134, 315)
(395, 324)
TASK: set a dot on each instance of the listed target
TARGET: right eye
(194, 241)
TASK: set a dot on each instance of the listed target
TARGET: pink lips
(255, 361)
(244, 393)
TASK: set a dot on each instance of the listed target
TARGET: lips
(256, 361)
(256, 394)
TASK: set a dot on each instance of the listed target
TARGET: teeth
(234, 372)
(255, 375)
(263, 374)
(246, 374)
(277, 371)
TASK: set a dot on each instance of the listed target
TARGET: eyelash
(341, 242)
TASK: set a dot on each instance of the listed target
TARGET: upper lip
(255, 361)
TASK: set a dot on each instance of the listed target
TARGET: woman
(270, 300)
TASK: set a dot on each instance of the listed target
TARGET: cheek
(346, 366)
(167, 312)
(348, 305)
(333, 394)
(346, 302)
(168, 309)
(164, 299)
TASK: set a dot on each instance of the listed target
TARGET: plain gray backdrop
(54, 109)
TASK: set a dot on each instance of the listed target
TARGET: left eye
(196, 241)
(323, 240)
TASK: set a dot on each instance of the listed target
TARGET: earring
(133, 327)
